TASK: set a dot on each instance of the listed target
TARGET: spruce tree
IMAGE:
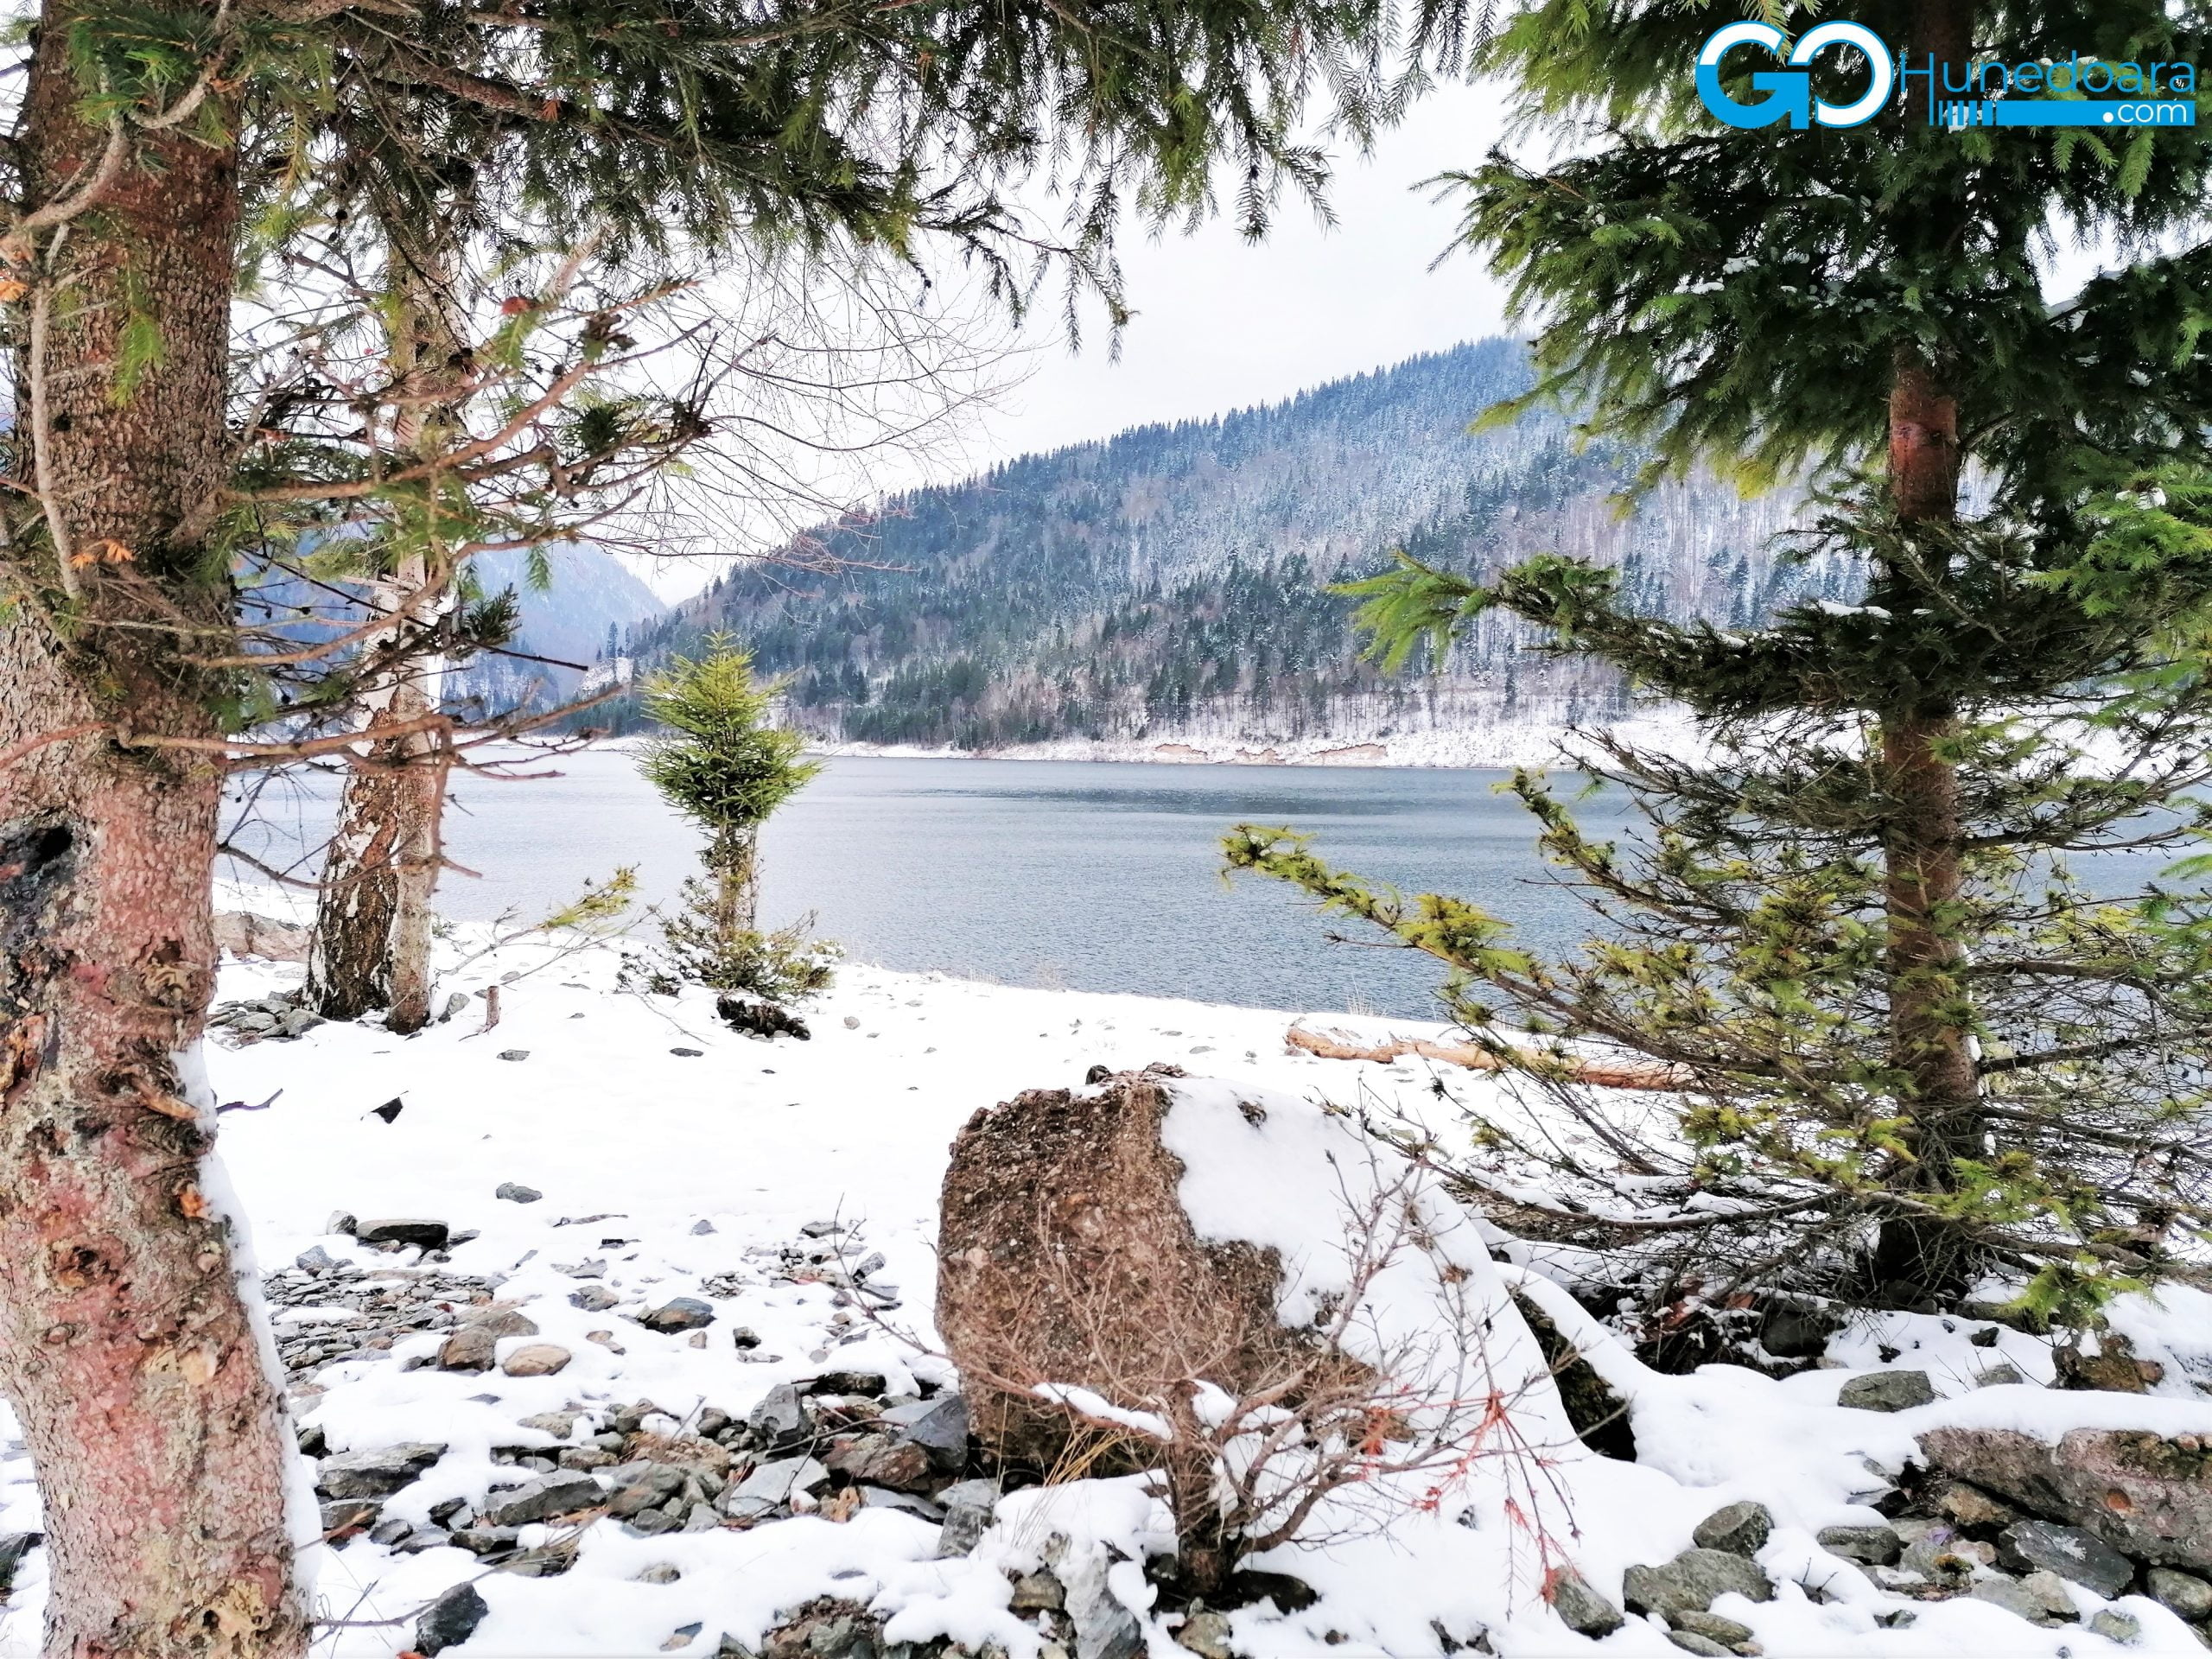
(1903, 1020)
(156, 147)
(722, 762)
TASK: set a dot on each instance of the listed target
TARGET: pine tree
(1903, 1021)
(724, 764)
(158, 149)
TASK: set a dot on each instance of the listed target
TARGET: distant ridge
(1166, 588)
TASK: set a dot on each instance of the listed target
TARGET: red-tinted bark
(126, 1346)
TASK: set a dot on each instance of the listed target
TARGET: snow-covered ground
(675, 1158)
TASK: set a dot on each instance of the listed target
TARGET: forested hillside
(1172, 581)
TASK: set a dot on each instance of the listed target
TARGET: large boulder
(2146, 1495)
(1128, 1237)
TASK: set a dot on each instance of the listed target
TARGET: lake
(1092, 875)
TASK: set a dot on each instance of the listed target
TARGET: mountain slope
(1169, 584)
(589, 609)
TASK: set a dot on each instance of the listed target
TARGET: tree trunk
(1931, 1045)
(374, 915)
(143, 1381)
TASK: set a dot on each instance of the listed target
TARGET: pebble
(1887, 1391)
(560, 1493)
(2184, 1594)
(516, 1193)
(593, 1298)
(514, 1053)
(680, 1313)
(537, 1359)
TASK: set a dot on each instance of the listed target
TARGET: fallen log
(1599, 1074)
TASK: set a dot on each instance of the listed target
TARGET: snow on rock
(762, 1177)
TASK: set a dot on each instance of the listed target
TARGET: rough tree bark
(1930, 1044)
(127, 1347)
(373, 912)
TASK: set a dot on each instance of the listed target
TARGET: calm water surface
(1095, 876)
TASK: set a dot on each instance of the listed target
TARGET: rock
(1943, 1557)
(1869, 1545)
(2040, 1598)
(1206, 1635)
(1104, 1629)
(2184, 1594)
(485, 1541)
(516, 1193)
(2147, 1497)
(391, 1532)
(559, 1424)
(347, 1514)
(563, 1492)
(651, 1523)
(780, 1418)
(428, 1234)
(826, 1629)
(377, 1472)
(680, 1313)
(862, 1382)
(1692, 1581)
(1691, 1642)
(514, 1053)
(1712, 1627)
(1887, 1391)
(2112, 1370)
(2068, 1551)
(2115, 1626)
(1997, 1376)
(878, 1461)
(772, 1485)
(1970, 1506)
(537, 1359)
(14, 1546)
(450, 1620)
(1037, 1592)
(1739, 1528)
(315, 1259)
(593, 1298)
(1582, 1609)
(969, 1506)
(660, 1573)
(939, 1427)
(877, 1498)
(640, 1486)
(243, 933)
(758, 1019)
(472, 1348)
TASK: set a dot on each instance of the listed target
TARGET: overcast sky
(1222, 324)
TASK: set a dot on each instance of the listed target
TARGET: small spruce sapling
(726, 768)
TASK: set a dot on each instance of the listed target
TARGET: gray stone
(2116, 1626)
(516, 1193)
(1740, 1529)
(390, 1532)
(2040, 1598)
(559, 1424)
(969, 1506)
(472, 1348)
(779, 1417)
(1970, 1506)
(514, 1053)
(640, 1486)
(1037, 1592)
(348, 1514)
(1582, 1609)
(593, 1298)
(1997, 1376)
(868, 1384)
(377, 1472)
(2184, 1594)
(315, 1259)
(424, 1538)
(2147, 1496)
(562, 1492)
(680, 1313)
(450, 1620)
(882, 1498)
(1887, 1391)
(939, 1426)
(2068, 1551)
(485, 1541)
(1712, 1627)
(651, 1523)
(1941, 1556)
(1691, 1642)
(770, 1486)
(1104, 1629)
(429, 1234)
(661, 1572)
(14, 1546)
(1206, 1634)
(1869, 1545)
(1693, 1581)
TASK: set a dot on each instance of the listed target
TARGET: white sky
(1221, 324)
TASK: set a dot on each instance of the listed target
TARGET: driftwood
(1599, 1074)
